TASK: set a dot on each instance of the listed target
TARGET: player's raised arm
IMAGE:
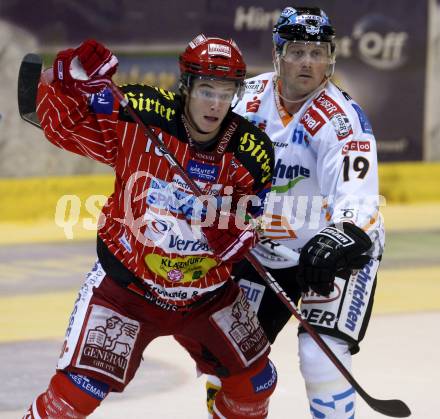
(76, 111)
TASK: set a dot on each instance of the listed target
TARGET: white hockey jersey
(325, 165)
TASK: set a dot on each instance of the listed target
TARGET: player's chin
(307, 85)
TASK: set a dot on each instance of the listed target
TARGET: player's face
(303, 66)
(209, 102)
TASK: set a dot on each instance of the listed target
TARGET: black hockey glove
(329, 251)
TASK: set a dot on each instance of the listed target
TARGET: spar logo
(253, 105)
(109, 342)
(164, 195)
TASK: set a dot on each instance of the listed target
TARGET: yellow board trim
(45, 316)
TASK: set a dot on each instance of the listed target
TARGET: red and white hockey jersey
(325, 164)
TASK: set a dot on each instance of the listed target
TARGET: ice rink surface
(399, 357)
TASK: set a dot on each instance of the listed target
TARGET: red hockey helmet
(213, 58)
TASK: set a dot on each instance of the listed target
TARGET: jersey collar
(285, 116)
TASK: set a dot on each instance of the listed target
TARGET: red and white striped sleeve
(69, 124)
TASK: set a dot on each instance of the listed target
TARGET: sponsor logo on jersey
(219, 49)
(342, 125)
(294, 173)
(164, 195)
(147, 104)
(102, 102)
(159, 225)
(249, 144)
(300, 137)
(363, 120)
(159, 229)
(255, 86)
(265, 379)
(181, 269)
(187, 246)
(355, 145)
(207, 188)
(312, 121)
(202, 171)
(327, 105)
(253, 105)
(174, 235)
(108, 343)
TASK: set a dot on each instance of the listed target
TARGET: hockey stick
(392, 408)
(28, 77)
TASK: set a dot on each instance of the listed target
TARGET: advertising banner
(381, 47)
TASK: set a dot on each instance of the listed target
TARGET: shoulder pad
(255, 152)
(154, 105)
(335, 114)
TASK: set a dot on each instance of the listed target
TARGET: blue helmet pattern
(303, 24)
